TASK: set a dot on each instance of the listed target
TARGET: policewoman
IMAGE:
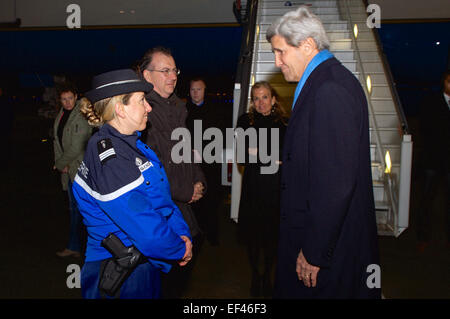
(121, 188)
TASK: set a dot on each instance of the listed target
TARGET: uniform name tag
(143, 166)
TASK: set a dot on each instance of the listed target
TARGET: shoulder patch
(105, 150)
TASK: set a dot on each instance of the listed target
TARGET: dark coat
(327, 204)
(435, 130)
(259, 209)
(167, 115)
(212, 115)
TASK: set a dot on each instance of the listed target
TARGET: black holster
(115, 270)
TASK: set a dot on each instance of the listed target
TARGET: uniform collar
(108, 130)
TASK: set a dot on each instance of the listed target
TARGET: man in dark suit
(435, 130)
(328, 244)
(210, 115)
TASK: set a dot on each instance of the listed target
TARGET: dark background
(30, 58)
(416, 60)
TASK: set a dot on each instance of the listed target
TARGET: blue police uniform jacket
(121, 188)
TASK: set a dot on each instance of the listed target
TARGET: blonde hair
(277, 109)
(102, 111)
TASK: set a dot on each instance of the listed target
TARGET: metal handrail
(246, 54)
(380, 147)
(390, 79)
(390, 187)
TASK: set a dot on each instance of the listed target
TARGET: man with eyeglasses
(187, 181)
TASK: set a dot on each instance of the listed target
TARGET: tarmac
(35, 224)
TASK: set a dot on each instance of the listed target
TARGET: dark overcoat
(434, 123)
(327, 204)
(168, 114)
(259, 208)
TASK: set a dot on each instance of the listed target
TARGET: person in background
(7, 125)
(259, 211)
(122, 189)
(328, 232)
(435, 129)
(71, 133)
(211, 115)
(187, 181)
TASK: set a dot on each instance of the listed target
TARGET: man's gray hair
(298, 25)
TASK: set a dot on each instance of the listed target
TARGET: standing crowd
(312, 221)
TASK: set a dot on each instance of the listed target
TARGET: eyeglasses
(167, 71)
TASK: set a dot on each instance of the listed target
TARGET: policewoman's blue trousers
(143, 283)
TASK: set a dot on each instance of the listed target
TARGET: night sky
(417, 53)
(79, 54)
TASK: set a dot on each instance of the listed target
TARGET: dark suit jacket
(167, 115)
(327, 205)
(435, 129)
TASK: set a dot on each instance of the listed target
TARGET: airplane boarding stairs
(358, 48)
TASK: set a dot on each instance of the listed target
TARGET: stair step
(337, 25)
(268, 66)
(339, 34)
(311, 3)
(379, 90)
(338, 44)
(357, 12)
(319, 11)
(382, 205)
(375, 77)
(372, 66)
(324, 3)
(268, 56)
(387, 136)
(269, 18)
(382, 104)
(385, 120)
(394, 153)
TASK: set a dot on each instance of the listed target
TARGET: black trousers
(431, 182)
(175, 283)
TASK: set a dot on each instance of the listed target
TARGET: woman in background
(259, 204)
